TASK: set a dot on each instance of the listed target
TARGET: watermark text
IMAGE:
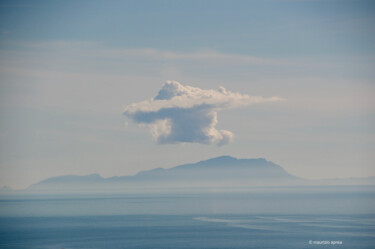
(325, 242)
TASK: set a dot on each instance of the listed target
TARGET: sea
(291, 218)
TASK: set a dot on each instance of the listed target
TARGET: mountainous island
(220, 172)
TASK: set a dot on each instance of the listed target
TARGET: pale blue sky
(68, 68)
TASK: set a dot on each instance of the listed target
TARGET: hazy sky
(69, 69)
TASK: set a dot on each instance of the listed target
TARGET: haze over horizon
(69, 69)
(224, 173)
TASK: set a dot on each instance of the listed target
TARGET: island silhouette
(220, 172)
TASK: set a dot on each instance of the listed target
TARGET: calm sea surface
(334, 217)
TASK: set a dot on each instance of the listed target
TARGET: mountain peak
(233, 159)
(222, 171)
(222, 158)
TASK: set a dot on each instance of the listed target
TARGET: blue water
(268, 218)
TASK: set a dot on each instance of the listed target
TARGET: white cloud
(185, 114)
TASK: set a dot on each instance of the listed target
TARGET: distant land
(220, 172)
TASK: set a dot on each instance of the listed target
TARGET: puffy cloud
(185, 114)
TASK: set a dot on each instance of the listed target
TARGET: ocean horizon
(315, 217)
